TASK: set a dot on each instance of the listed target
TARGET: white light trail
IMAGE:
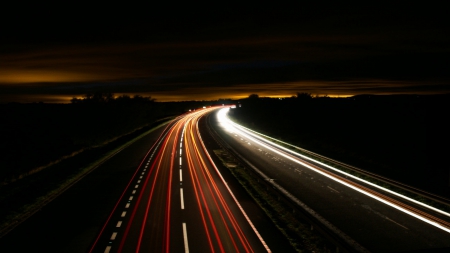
(258, 135)
(233, 127)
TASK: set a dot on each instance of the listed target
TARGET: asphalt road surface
(177, 201)
(161, 194)
(376, 219)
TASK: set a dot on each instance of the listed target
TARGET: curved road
(177, 201)
(379, 220)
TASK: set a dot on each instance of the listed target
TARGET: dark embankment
(404, 138)
(47, 148)
(35, 135)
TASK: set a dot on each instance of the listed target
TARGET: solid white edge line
(186, 246)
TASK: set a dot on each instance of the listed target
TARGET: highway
(165, 194)
(177, 201)
(378, 220)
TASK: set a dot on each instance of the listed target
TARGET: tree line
(108, 97)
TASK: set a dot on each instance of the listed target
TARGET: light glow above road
(256, 138)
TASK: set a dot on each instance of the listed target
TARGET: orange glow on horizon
(43, 76)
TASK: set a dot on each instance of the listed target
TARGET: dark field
(35, 135)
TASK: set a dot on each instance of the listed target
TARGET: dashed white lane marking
(181, 144)
(113, 236)
(119, 223)
(123, 214)
(142, 173)
(180, 160)
(396, 223)
(186, 246)
(333, 189)
(108, 248)
(182, 198)
(181, 151)
(134, 192)
(127, 205)
(136, 186)
(181, 176)
(131, 198)
(139, 181)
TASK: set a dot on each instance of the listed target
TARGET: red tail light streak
(179, 201)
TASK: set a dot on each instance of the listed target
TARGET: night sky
(206, 52)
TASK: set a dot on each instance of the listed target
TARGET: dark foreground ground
(71, 222)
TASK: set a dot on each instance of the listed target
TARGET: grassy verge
(298, 232)
(21, 199)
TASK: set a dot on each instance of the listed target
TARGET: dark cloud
(225, 52)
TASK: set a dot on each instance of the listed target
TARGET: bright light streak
(233, 127)
(258, 135)
(208, 194)
(232, 195)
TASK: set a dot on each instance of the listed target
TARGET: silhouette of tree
(108, 97)
(303, 96)
(253, 96)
